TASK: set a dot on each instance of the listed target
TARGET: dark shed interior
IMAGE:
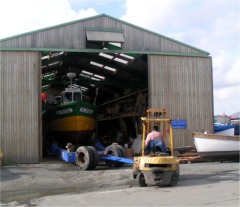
(116, 83)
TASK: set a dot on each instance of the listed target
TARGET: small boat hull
(217, 147)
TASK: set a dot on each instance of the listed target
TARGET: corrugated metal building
(175, 76)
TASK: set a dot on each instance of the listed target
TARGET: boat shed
(122, 68)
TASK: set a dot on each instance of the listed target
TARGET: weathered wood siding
(73, 36)
(19, 107)
(183, 85)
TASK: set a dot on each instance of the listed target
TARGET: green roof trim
(113, 18)
(104, 51)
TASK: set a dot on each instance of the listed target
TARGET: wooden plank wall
(184, 86)
(74, 36)
(19, 107)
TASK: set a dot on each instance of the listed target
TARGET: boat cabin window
(77, 95)
(67, 97)
(71, 96)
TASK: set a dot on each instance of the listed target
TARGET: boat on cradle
(224, 129)
(73, 120)
(217, 147)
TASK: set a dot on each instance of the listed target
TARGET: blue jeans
(153, 145)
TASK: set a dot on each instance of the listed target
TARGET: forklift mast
(157, 117)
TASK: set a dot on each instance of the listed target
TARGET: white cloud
(211, 25)
(151, 14)
(26, 15)
(233, 75)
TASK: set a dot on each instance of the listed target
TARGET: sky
(210, 25)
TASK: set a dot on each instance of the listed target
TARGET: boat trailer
(87, 157)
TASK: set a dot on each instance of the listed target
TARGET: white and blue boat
(217, 147)
(224, 129)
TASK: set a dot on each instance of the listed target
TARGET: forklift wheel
(141, 180)
(174, 179)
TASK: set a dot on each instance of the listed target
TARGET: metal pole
(143, 137)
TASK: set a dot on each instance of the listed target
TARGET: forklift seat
(156, 145)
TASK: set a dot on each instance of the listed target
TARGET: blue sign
(179, 124)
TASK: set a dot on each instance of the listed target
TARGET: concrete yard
(56, 183)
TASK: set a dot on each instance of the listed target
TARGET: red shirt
(154, 135)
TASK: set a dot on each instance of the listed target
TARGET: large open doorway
(116, 83)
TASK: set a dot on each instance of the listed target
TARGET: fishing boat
(217, 147)
(73, 119)
(224, 129)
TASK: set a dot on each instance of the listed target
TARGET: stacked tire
(87, 158)
(115, 150)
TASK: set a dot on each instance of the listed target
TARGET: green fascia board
(133, 55)
(113, 18)
(104, 51)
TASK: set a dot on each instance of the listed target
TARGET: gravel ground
(24, 184)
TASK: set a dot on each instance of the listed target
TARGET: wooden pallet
(190, 159)
(188, 154)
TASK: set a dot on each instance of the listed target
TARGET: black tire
(91, 157)
(141, 180)
(95, 157)
(122, 150)
(174, 179)
(114, 151)
(84, 158)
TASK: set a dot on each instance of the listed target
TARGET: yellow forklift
(156, 167)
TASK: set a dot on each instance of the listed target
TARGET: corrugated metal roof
(104, 36)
